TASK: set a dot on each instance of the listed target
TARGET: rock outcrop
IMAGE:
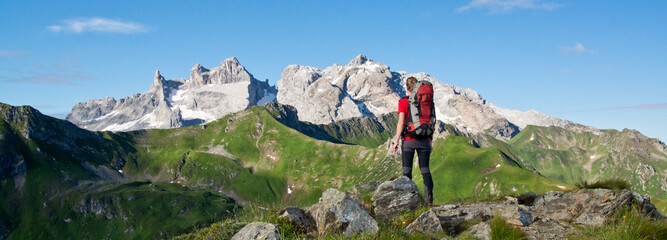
(257, 231)
(553, 215)
(207, 95)
(336, 212)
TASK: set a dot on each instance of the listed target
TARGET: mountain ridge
(177, 102)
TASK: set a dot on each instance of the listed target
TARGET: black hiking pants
(423, 149)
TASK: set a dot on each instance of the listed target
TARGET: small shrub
(614, 184)
(286, 230)
(503, 230)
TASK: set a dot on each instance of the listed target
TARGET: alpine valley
(191, 152)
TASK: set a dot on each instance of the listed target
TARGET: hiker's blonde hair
(410, 83)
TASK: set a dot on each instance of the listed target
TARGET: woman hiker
(423, 147)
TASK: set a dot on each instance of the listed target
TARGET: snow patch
(148, 119)
(193, 114)
(105, 116)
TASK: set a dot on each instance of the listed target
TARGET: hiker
(416, 109)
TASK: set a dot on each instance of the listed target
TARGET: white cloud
(500, 6)
(577, 49)
(81, 25)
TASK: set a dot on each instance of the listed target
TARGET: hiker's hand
(394, 145)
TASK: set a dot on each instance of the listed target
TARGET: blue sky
(599, 63)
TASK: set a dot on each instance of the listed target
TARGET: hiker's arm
(399, 131)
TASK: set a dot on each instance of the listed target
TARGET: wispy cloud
(63, 71)
(62, 79)
(655, 106)
(577, 49)
(501, 6)
(9, 54)
(103, 25)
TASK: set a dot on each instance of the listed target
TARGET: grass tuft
(405, 218)
(503, 230)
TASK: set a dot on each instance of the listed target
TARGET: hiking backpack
(420, 120)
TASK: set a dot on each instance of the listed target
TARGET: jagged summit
(359, 60)
(229, 71)
(231, 60)
(158, 80)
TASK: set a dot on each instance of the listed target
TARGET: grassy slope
(571, 157)
(269, 157)
(461, 172)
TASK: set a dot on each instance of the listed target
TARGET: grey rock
(589, 206)
(427, 223)
(395, 196)
(336, 212)
(257, 231)
(481, 230)
(299, 218)
(549, 230)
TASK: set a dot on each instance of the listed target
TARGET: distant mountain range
(357, 89)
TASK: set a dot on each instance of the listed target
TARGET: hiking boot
(428, 198)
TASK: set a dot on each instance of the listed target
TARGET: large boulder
(257, 231)
(395, 196)
(336, 212)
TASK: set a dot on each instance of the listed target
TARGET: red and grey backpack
(420, 120)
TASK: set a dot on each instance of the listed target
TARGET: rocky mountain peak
(359, 60)
(229, 71)
(232, 61)
(158, 79)
(198, 68)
